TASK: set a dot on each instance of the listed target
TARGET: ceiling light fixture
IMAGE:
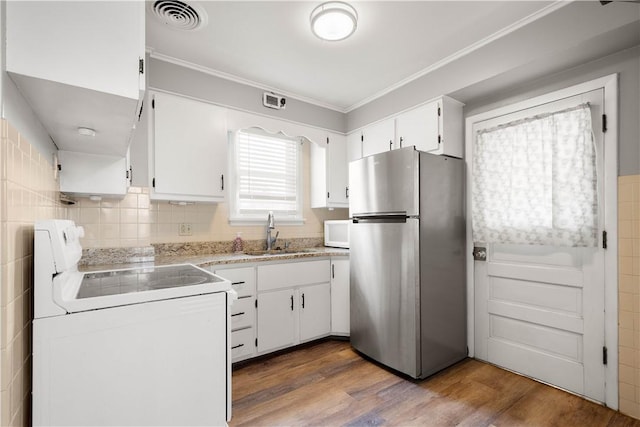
(86, 132)
(334, 21)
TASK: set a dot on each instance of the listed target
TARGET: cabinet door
(337, 173)
(354, 146)
(189, 149)
(276, 320)
(93, 174)
(53, 41)
(378, 138)
(315, 311)
(419, 127)
(340, 297)
(318, 170)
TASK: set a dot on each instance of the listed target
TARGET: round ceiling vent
(179, 14)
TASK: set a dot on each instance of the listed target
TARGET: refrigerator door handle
(380, 218)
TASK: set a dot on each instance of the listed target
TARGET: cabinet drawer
(243, 280)
(242, 313)
(242, 343)
(288, 275)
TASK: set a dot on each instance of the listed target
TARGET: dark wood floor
(328, 384)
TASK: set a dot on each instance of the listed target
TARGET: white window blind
(266, 176)
(534, 181)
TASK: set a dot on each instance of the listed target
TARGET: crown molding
(231, 77)
(463, 52)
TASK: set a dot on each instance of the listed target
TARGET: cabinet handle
(302, 300)
(346, 191)
(222, 182)
(237, 346)
(238, 314)
(237, 283)
(333, 271)
(390, 144)
(401, 139)
(291, 302)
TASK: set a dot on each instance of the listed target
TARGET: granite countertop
(221, 259)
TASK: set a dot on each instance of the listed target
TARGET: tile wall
(28, 191)
(135, 221)
(629, 294)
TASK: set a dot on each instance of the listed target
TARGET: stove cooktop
(141, 279)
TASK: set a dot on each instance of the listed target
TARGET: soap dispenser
(238, 243)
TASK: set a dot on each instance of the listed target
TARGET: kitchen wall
(136, 221)
(28, 191)
(629, 294)
(208, 87)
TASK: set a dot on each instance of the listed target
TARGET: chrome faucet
(271, 226)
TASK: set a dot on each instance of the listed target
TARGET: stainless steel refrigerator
(407, 259)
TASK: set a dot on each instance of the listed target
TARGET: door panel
(385, 183)
(384, 292)
(276, 320)
(315, 311)
(539, 310)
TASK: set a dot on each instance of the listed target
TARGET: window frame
(240, 219)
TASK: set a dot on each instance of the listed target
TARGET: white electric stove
(142, 346)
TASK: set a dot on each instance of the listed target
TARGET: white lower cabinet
(340, 296)
(294, 303)
(276, 320)
(315, 311)
(284, 304)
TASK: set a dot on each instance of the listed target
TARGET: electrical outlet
(185, 229)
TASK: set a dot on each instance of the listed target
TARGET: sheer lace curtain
(534, 181)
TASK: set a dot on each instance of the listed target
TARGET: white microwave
(336, 233)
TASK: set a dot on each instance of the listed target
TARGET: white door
(539, 310)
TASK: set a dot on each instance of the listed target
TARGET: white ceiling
(269, 44)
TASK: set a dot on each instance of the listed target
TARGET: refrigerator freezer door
(385, 183)
(385, 273)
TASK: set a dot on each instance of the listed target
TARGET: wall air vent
(179, 14)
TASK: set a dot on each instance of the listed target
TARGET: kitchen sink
(277, 252)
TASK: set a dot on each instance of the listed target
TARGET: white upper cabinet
(85, 174)
(188, 150)
(378, 137)
(435, 127)
(329, 173)
(80, 64)
(354, 146)
(419, 127)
